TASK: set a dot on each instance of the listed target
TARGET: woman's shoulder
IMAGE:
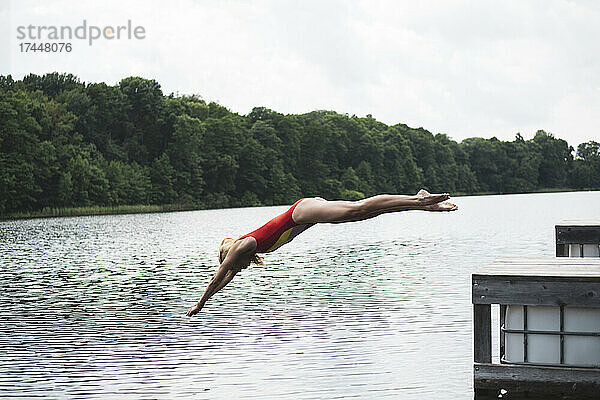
(246, 244)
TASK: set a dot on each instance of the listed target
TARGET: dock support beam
(482, 342)
(482, 333)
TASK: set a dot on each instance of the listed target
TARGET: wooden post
(482, 343)
(482, 333)
(501, 333)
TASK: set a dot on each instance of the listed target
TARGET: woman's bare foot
(442, 206)
(426, 198)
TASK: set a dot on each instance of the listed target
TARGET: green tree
(488, 160)
(162, 178)
(184, 152)
(556, 159)
(19, 146)
(586, 167)
(146, 106)
(90, 186)
(51, 84)
(522, 173)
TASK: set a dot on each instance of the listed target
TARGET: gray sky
(464, 68)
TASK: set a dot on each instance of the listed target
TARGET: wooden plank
(540, 273)
(522, 378)
(536, 291)
(561, 267)
(545, 260)
(577, 234)
(589, 275)
(540, 260)
(482, 333)
(579, 222)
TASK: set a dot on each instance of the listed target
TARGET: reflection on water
(95, 306)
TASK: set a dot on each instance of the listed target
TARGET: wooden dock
(557, 282)
(575, 238)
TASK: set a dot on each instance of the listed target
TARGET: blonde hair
(225, 246)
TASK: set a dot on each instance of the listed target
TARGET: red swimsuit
(278, 231)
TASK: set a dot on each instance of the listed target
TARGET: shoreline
(547, 190)
(56, 212)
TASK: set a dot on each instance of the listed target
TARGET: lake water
(95, 306)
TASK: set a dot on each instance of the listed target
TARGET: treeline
(65, 143)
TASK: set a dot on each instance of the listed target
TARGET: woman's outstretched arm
(237, 258)
(212, 288)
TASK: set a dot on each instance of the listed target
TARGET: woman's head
(226, 246)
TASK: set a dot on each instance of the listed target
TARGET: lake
(95, 306)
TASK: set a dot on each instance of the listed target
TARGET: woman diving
(237, 254)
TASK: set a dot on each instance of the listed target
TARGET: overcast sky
(464, 68)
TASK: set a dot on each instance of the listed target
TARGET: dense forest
(65, 143)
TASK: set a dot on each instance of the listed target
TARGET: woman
(237, 254)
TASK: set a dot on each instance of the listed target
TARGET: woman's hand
(194, 310)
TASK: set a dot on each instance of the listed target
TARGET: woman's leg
(319, 210)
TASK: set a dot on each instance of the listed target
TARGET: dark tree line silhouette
(65, 143)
